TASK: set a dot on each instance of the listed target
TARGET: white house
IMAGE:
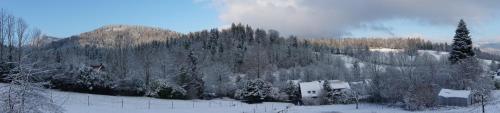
(314, 88)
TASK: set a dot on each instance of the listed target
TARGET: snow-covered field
(90, 103)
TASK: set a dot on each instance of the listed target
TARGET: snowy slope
(77, 103)
(440, 54)
(89, 103)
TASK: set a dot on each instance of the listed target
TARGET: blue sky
(64, 18)
(434, 20)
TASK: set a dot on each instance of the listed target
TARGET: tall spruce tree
(462, 44)
(195, 85)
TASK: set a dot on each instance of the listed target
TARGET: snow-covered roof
(366, 82)
(307, 88)
(311, 89)
(338, 84)
(454, 93)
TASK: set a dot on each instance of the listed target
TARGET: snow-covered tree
(293, 91)
(217, 77)
(25, 92)
(466, 72)
(162, 88)
(462, 44)
(327, 93)
(189, 76)
(182, 78)
(89, 78)
(255, 91)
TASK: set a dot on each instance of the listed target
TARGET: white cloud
(332, 18)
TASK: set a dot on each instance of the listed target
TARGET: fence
(144, 103)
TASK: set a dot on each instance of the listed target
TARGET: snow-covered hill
(493, 48)
(349, 61)
(118, 35)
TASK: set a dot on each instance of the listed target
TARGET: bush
(171, 93)
(90, 78)
(254, 91)
(497, 84)
(5, 68)
(129, 87)
(163, 89)
(344, 97)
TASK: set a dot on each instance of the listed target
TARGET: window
(309, 92)
(314, 92)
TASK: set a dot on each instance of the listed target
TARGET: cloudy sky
(431, 19)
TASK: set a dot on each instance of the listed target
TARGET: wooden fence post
(88, 100)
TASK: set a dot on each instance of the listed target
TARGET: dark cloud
(333, 18)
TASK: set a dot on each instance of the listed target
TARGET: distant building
(311, 90)
(450, 97)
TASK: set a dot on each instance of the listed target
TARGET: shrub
(163, 89)
(255, 91)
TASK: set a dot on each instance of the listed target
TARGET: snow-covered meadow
(91, 103)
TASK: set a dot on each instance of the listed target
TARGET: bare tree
(21, 30)
(36, 38)
(25, 94)
(35, 43)
(9, 30)
(2, 32)
(120, 57)
(145, 55)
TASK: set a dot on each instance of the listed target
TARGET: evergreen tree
(182, 78)
(292, 91)
(462, 44)
(195, 86)
(256, 91)
(327, 93)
